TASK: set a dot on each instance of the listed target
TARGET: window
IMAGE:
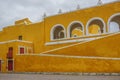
(95, 26)
(114, 23)
(75, 29)
(58, 32)
(20, 37)
(21, 50)
(0, 65)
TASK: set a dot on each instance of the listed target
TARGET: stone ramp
(107, 46)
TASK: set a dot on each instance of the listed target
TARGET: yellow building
(84, 40)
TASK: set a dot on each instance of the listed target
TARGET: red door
(10, 50)
(0, 65)
(10, 65)
(10, 53)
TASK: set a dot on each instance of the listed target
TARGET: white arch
(92, 19)
(111, 17)
(69, 27)
(53, 28)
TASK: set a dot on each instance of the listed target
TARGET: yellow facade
(77, 41)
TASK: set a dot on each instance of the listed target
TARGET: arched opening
(114, 23)
(61, 34)
(95, 26)
(58, 32)
(75, 29)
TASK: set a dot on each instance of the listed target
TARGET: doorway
(0, 65)
(10, 65)
(10, 53)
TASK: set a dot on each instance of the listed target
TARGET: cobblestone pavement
(54, 77)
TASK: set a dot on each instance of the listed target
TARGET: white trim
(69, 56)
(70, 41)
(110, 18)
(95, 18)
(78, 43)
(53, 28)
(13, 65)
(77, 39)
(19, 49)
(67, 46)
(72, 23)
(82, 57)
(10, 41)
(61, 32)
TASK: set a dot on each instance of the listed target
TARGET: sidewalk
(54, 77)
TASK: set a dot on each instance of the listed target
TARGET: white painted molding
(53, 28)
(76, 39)
(109, 20)
(70, 25)
(92, 19)
(82, 57)
(70, 41)
(69, 56)
(10, 41)
(79, 37)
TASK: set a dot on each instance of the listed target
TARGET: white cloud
(11, 10)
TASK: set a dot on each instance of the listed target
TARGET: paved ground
(54, 77)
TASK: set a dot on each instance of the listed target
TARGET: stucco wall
(57, 64)
(39, 34)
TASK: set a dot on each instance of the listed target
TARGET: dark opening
(10, 53)
(75, 26)
(10, 65)
(58, 33)
(100, 23)
(20, 37)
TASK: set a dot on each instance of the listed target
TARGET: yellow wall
(39, 33)
(61, 64)
(4, 50)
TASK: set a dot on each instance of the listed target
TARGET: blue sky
(11, 10)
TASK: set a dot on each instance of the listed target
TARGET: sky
(12, 10)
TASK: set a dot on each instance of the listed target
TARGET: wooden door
(10, 65)
(0, 65)
(10, 53)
